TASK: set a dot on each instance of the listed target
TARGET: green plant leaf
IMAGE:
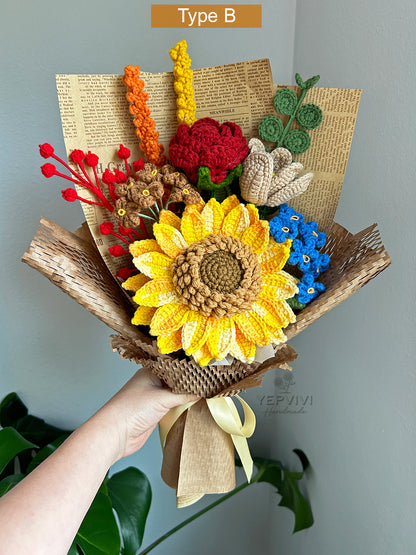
(309, 83)
(9, 482)
(98, 533)
(12, 443)
(304, 461)
(293, 499)
(286, 483)
(131, 495)
(270, 129)
(286, 102)
(37, 430)
(295, 304)
(309, 116)
(297, 141)
(73, 550)
(12, 409)
(299, 81)
(45, 452)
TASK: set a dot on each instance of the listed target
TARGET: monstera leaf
(286, 484)
(131, 495)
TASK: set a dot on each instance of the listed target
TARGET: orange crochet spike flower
(215, 282)
(145, 125)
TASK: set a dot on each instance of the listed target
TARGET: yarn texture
(305, 259)
(183, 76)
(215, 284)
(145, 125)
(271, 179)
(220, 148)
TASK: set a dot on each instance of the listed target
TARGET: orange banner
(203, 16)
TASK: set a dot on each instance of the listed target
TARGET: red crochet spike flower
(70, 195)
(138, 165)
(77, 156)
(85, 176)
(46, 150)
(106, 228)
(108, 178)
(91, 160)
(120, 176)
(207, 143)
(125, 273)
(117, 250)
(48, 170)
(123, 152)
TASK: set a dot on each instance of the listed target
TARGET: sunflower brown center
(218, 276)
(221, 271)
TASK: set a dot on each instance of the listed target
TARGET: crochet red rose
(207, 143)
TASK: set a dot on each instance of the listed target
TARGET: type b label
(203, 16)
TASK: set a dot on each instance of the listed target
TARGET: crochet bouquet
(203, 260)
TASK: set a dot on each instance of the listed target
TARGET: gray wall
(356, 364)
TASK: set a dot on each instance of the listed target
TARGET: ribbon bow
(225, 414)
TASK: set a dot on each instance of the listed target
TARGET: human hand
(134, 412)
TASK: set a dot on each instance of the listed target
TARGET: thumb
(169, 400)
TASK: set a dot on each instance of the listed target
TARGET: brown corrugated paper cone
(198, 456)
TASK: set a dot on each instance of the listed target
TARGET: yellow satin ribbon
(225, 414)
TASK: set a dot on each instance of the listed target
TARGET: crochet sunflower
(211, 283)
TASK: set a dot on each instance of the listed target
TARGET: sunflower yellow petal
(195, 332)
(277, 337)
(279, 279)
(203, 355)
(277, 314)
(169, 218)
(213, 216)
(168, 318)
(274, 257)
(229, 203)
(192, 226)
(236, 221)
(169, 239)
(253, 213)
(221, 337)
(253, 327)
(170, 343)
(278, 286)
(145, 245)
(257, 236)
(143, 316)
(198, 207)
(154, 264)
(156, 292)
(272, 293)
(243, 349)
(134, 283)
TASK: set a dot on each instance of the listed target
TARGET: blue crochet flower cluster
(304, 254)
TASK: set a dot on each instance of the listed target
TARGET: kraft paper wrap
(198, 456)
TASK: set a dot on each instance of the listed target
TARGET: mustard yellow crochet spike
(183, 76)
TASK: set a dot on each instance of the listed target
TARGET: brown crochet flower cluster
(218, 276)
(182, 190)
(147, 188)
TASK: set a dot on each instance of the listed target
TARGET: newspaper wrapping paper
(198, 457)
(95, 116)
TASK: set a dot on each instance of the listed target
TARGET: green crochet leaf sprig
(287, 103)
